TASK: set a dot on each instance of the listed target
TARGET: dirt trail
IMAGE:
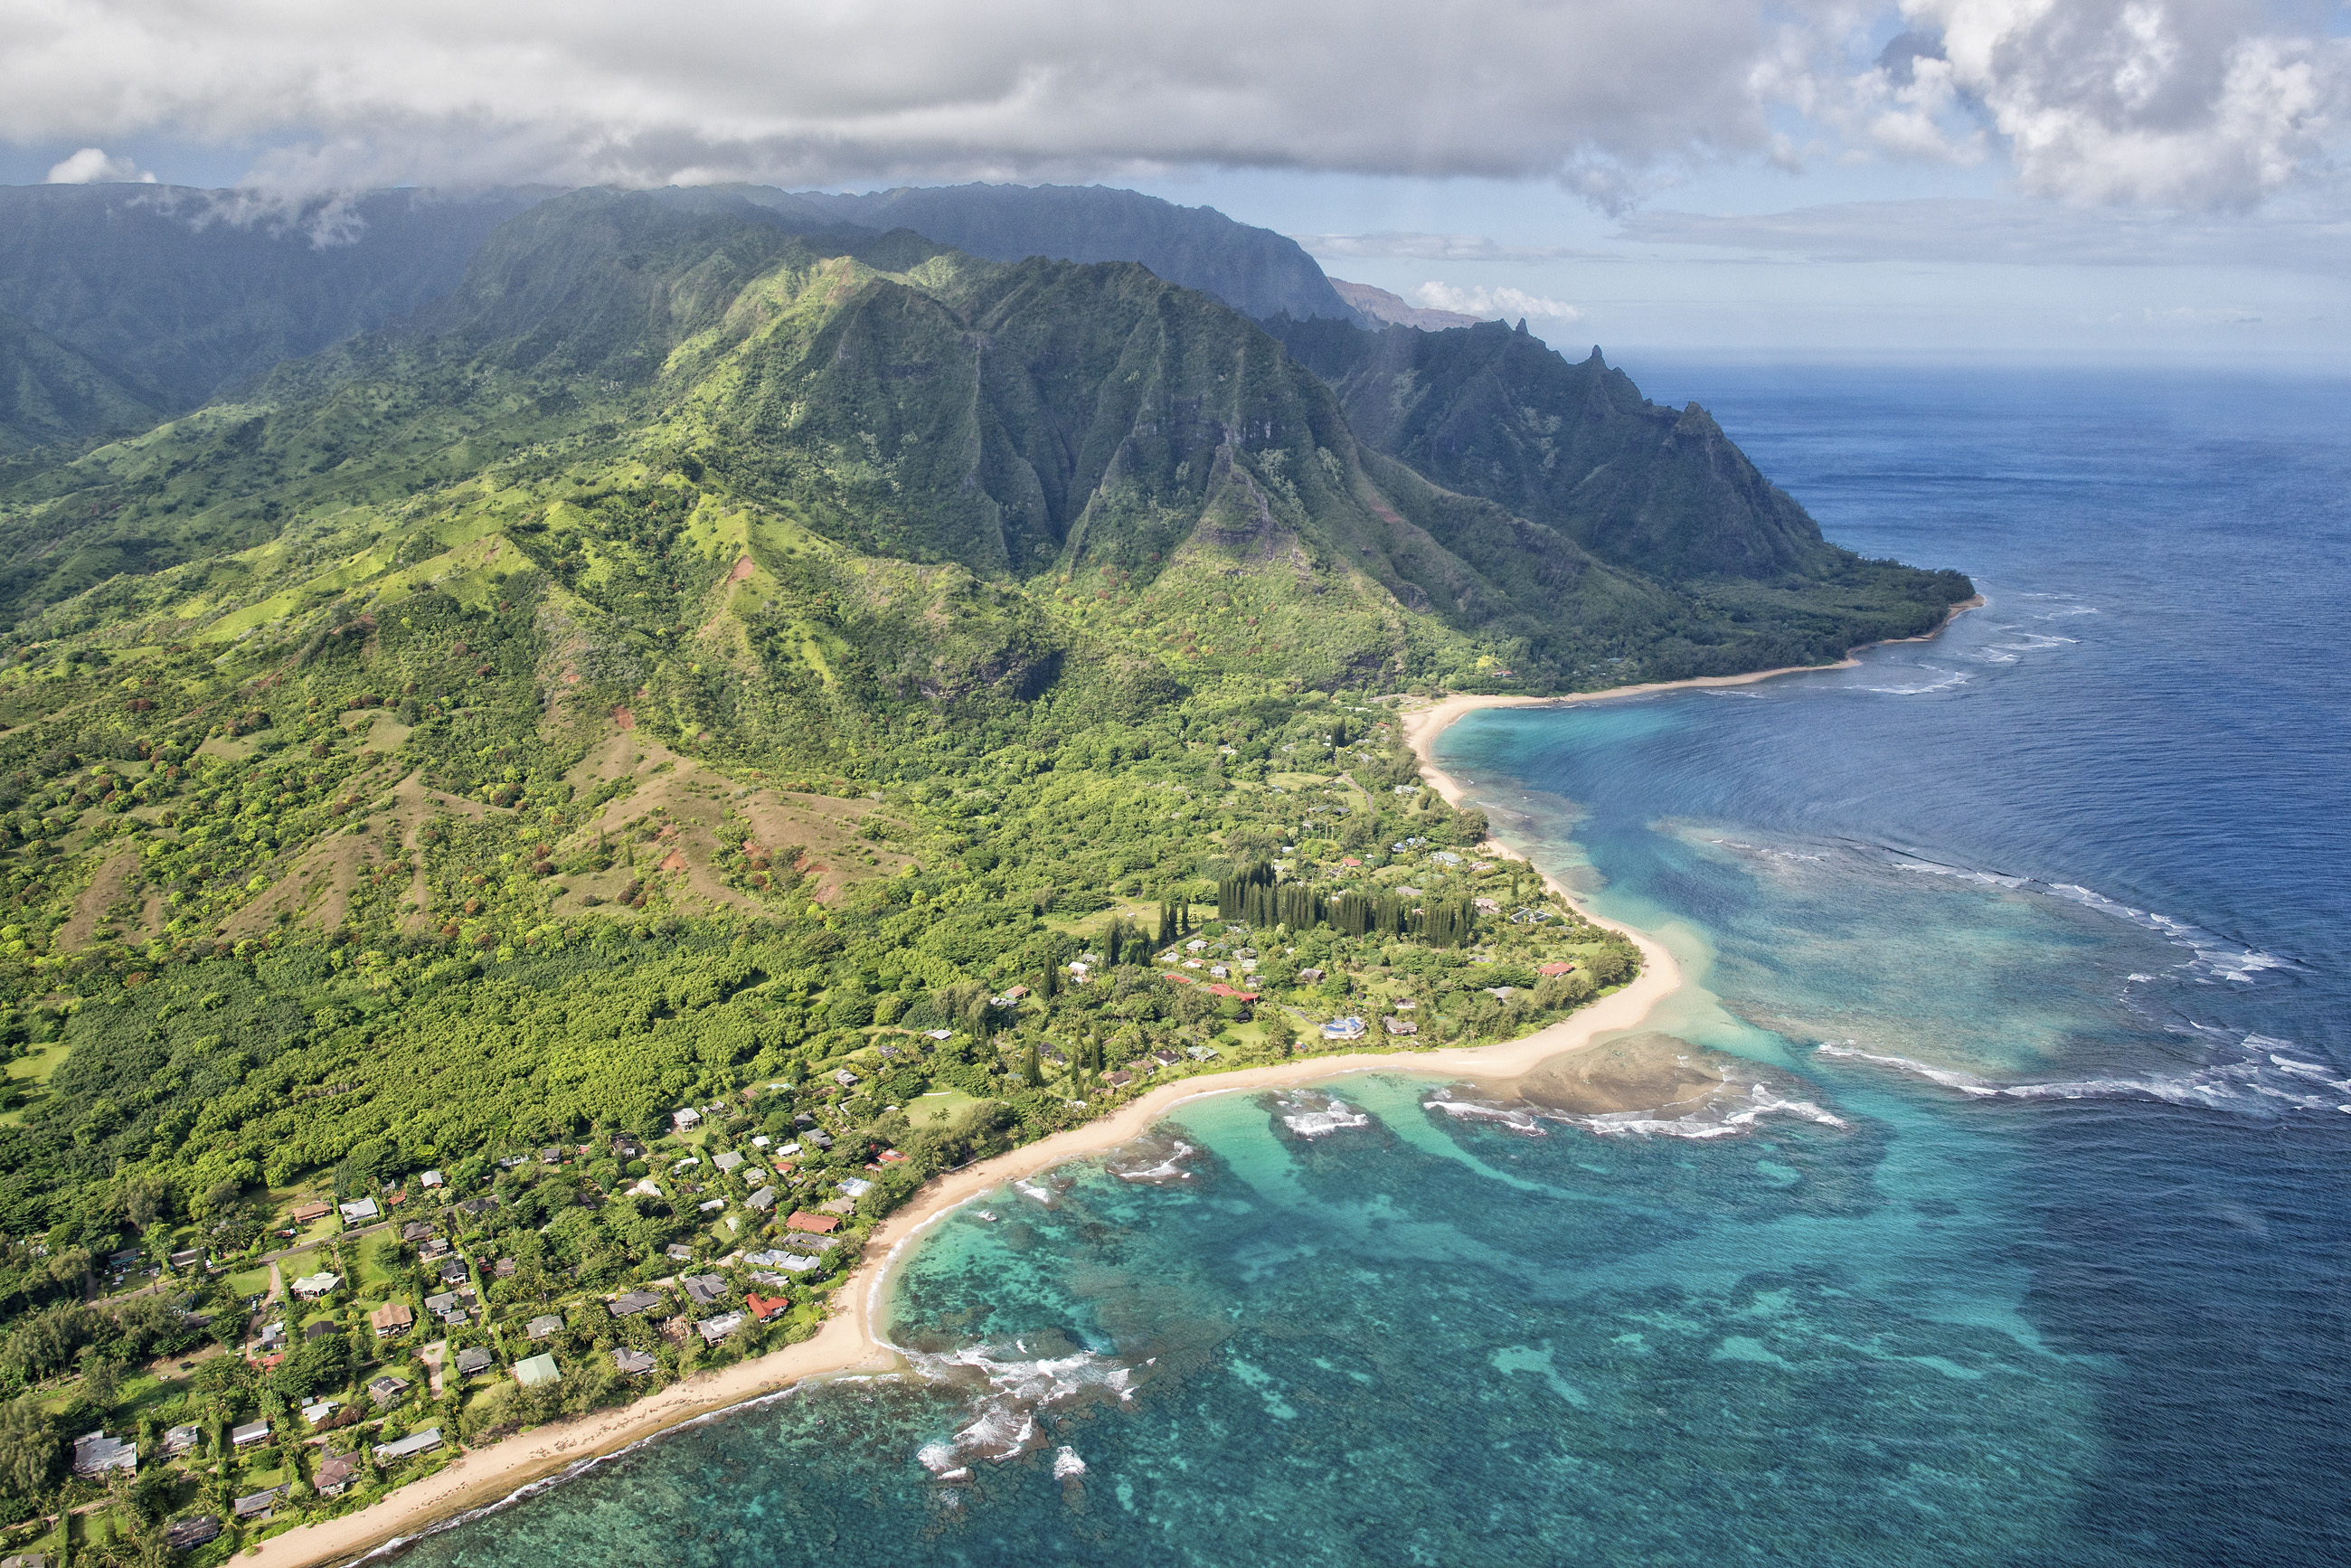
(110, 884)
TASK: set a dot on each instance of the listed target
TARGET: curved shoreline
(848, 1344)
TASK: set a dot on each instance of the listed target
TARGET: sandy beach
(847, 1343)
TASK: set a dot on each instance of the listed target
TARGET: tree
(1280, 1032)
(30, 1449)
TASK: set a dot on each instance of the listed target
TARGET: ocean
(2012, 1231)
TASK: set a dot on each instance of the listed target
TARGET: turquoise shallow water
(2034, 1250)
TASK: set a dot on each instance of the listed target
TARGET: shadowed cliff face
(1493, 412)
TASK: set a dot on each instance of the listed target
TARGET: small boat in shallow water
(985, 1215)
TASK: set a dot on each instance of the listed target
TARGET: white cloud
(1494, 304)
(2188, 103)
(1413, 246)
(92, 166)
(2202, 103)
(1595, 94)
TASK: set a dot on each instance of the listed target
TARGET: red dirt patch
(623, 717)
(743, 568)
(674, 861)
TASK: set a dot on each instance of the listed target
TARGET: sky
(2075, 180)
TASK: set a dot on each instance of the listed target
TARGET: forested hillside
(880, 703)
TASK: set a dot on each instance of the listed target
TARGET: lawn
(940, 1107)
(31, 1074)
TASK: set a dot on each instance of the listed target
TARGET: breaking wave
(2260, 1079)
(2211, 955)
(1008, 1391)
(1717, 1117)
(1310, 1113)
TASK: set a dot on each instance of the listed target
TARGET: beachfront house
(534, 1371)
(1349, 1028)
(407, 1448)
(633, 1363)
(713, 1330)
(257, 1505)
(180, 1534)
(336, 1473)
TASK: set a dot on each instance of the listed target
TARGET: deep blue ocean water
(2043, 919)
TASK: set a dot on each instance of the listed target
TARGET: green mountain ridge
(709, 656)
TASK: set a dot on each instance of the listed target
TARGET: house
(1310, 976)
(256, 1505)
(633, 1304)
(453, 1270)
(1201, 1053)
(187, 1534)
(713, 1206)
(415, 1443)
(360, 1211)
(385, 1391)
(307, 1213)
(432, 1248)
(180, 1440)
(727, 1161)
(705, 1290)
(814, 1224)
(633, 1363)
(474, 1360)
(1557, 966)
(625, 1147)
(1349, 1028)
(474, 1208)
(544, 1324)
(766, 1307)
(1405, 1005)
(790, 1264)
(1118, 1080)
(416, 1231)
(678, 1253)
(551, 1156)
(97, 1453)
(318, 1410)
(846, 1079)
(1487, 906)
(534, 1371)
(273, 1337)
(761, 1201)
(855, 1187)
(335, 1474)
(1166, 1058)
(713, 1330)
(188, 1259)
(1402, 1026)
(1226, 992)
(443, 1304)
(251, 1432)
(686, 1119)
(325, 1328)
(317, 1287)
(645, 1188)
(431, 1179)
(506, 1269)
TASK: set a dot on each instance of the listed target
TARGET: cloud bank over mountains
(2205, 104)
